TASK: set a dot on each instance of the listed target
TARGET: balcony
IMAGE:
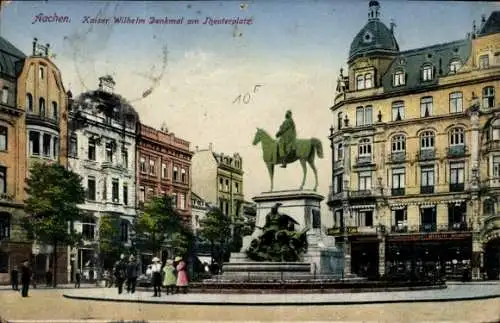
(458, 226)
(363, 160)
(338, 164)
(360, 193)
(398, 191)
(426, 154)
(456, 151)
(493, 145)
(399, 228)
(398, 157)
(457, 187)
(37, 120)
(337, 196)
(428, 227)
(426, 189)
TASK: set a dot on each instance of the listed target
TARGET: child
(169, 277)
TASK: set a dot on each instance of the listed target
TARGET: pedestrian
(132, 271)
(14, 278)
(119, 273)
(78, 278)
(169, 277)
(48, 277)
(182, 277)
(25, 278)
(156, 276)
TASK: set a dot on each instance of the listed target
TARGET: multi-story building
(199, 209)
(102, 149)
(218, 179)
(164, 167)
(416, 175)
(13, 246)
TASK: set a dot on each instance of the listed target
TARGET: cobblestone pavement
(49, 305)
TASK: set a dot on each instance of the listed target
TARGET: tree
(110, 244)
(160, 226)
(216, 229)
(52, 207)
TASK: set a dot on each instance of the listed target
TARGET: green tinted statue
(288, 149)
(279, 240)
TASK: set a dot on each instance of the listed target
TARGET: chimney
(211, 146)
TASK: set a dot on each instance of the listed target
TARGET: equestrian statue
(288, 149)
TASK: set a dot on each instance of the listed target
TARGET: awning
(205, 259)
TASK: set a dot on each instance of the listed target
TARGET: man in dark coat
(132, 272)
(119, 273)
(25, 278)
(14, 278)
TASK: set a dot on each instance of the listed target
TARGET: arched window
(398, 143)
(427, 140)
(455, 65)
(29, 102)
(365, 147)
(427, 73)
(368, 81)
(399, 78)
(489, 206)
(55, 111)
(488, 97)
(456, 136)
(41, 106)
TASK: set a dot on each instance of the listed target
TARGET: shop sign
(338, 231)
(430, 236)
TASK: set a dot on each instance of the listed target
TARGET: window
(164, 170)
(340, 151)
(151, 193)
(41, 73)
(339, 218)
(3, 138)
(109, 152)
(455, 65)
(91, 193)
(237, 187)
(399, 78)
(91, 153)
(115, 191)
(152, 167)
(364, 218)
(125, 194)
(142, 194)
(3, 180)
(364, 147)
(496, 166)
(364, 116)
(105, 190)
(73, 146)
(489, 97)
(400, 219)
(427, 140)
(34, 138)
(456, 102)
(29, 102)
(4, 226)
(124, 231)
(46, 144)
(427, 176)
(456, 136)
(398, 111)
(41, 106)
(484, 61)
(221, 184)
(427, 73)
(226, 187)
(182, 197)
(88, 228)
(55, 112)
(174, 200)
(338, 183)
(398, 178)
(426, 107)
(360, 82)
(339, 120)
(5, 95)
(398, 144)
(124, 158)
(143, 164)
(365, 180)
(368, 81)
(183, 175)
(457, 173)
(55, 149)
(176, 174)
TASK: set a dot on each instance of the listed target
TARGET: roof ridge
(415, 50)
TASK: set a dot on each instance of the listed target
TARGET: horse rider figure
(287, 137)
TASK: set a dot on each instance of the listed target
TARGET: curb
(198, 303)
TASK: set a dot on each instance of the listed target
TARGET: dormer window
(360, 82)
(455, 65)
(427, 73)
(364, 81)
(399, 78)
(484, 61)
(368, 81)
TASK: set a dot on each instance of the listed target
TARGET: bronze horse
(305, 152)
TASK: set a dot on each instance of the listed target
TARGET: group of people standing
(26, 275)
(126, 272)
(174, 274)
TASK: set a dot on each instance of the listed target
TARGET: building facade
(164, 167)
(199, 209)
(415, 179)
(218, 179)
(102, 149)
(13, 246)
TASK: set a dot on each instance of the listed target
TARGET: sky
(292, 49)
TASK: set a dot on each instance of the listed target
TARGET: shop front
(443, 254)
(364, 255)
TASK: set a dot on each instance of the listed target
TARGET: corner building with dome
(416, 154)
